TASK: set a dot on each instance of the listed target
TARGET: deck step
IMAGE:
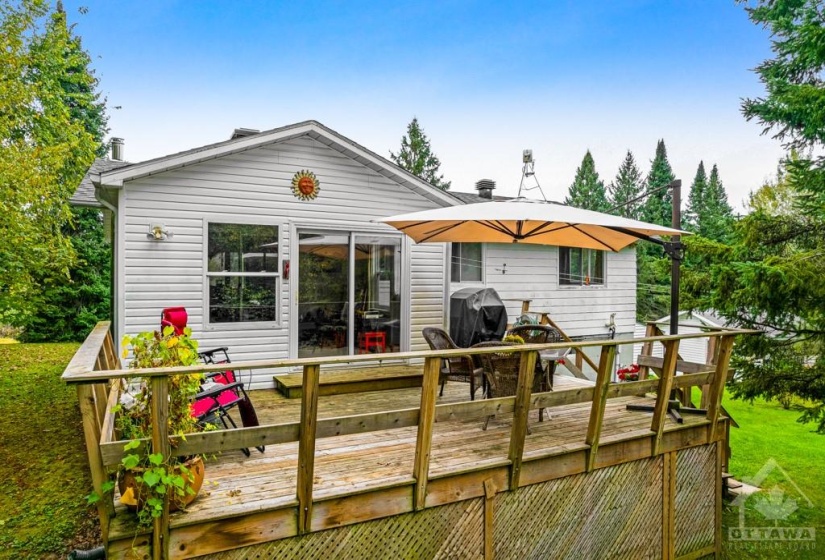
(355, 381)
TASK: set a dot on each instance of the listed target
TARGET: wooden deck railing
(96, 373)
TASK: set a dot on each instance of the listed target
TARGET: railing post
(521, 411)
(594, 427)
(710, 358)
(306, 445)
(663, 394)
(160, 444)
(91, 435)
(717, 386)
(647, 349)
(424, 439)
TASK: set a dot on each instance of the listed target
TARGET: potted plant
(144, 479)
(629, 373)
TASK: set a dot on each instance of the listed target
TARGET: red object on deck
(175, 317)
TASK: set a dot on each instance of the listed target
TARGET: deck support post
(717, 386)
(521, 412)
(424, 439)
(669, 506)
(489, 495)
(594, 427)
(160, 444)
(663, 394)
(306, 445)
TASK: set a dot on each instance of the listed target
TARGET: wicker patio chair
(460, 368)
(501, 372)
(540, 334)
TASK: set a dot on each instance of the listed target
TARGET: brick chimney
(485, 188)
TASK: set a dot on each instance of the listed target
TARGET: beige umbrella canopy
(527, 221)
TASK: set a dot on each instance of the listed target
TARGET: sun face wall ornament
(305, 185)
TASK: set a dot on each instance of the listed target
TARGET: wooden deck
(375, 473)
(357, 463)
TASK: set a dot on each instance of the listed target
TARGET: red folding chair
(222, 391)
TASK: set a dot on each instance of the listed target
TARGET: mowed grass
(793, 493)
(44, 474)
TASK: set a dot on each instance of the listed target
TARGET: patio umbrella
(527, 221)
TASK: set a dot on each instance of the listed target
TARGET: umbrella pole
(675, 256)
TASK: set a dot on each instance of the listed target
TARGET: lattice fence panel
(448, 532)
(615, 512)
(696, 480)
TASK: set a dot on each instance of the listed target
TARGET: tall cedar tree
(45, 151)
(68, 307)
(417, 157)
(773, 274)
(627, 186)
(717, 221)
(658, 206)
(653, 268)
(587, 190)
(696, 200)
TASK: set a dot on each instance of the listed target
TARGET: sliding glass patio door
(349, 293)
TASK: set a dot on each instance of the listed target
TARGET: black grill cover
(476, 315)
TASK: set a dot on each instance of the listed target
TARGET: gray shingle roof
(85, 193)
(472, 198)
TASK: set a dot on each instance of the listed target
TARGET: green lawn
(769, 432)
(44, 475)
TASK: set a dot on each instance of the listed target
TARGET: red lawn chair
(221, 391)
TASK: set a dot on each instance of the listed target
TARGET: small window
(466, 263)
(243, 273)
(581, 267)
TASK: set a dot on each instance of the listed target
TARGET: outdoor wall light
(157, 232)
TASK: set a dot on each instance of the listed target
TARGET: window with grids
(467, 262)
(243, 273)
(581, 267)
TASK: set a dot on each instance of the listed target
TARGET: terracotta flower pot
(133, 494)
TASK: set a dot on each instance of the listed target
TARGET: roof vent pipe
(117, 149)
(485, 188)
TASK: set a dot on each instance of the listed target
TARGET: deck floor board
(236, 484)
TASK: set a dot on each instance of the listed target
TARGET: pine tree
(587, 190)
(696, 200)
(717, 223)
(417, 157)
(658, 206)
(627, 186)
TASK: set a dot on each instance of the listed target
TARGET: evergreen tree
(587, 190)
(772, 276)
(717, 222)
(658, 206)
(696, 200)
(69, 308)
(45, 151)
(417, 157)
(627, 186)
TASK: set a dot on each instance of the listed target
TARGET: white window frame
(483, 267)
(590, 286)
(241, 325)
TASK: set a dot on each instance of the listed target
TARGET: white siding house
(272, 275)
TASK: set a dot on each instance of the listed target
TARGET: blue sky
(485, 79)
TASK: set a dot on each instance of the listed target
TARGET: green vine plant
(156, 476)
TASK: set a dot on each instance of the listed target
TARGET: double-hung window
(581, 267)
(467, 262)
(243, 273)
